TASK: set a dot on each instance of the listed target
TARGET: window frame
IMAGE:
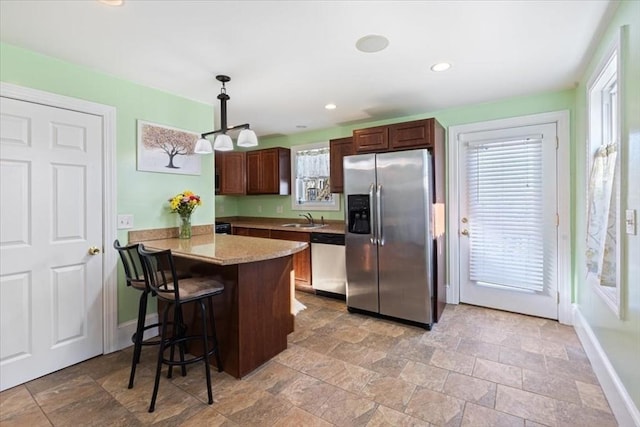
(608, 73)
(310, 206)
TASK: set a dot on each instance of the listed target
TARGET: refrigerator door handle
(374, 237)
(379, 215)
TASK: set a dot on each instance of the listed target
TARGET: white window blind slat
(504, 190)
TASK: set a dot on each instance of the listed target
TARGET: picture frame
(166, 149)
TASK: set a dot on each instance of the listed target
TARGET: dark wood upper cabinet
(410, 135)
(269, 171)
(371, 140)
(338, 148)
(230, 173)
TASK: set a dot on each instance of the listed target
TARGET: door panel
(514, 211)
(50, 287)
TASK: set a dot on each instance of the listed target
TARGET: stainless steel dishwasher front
(328, 268)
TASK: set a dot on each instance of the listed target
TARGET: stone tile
(267, 410)
(526, 405)
(470, 389)
(479, 416)
(498, 373)
(592, 396)
(324, 367)
(529, 423)
(436, 408)
(297, 417)
(523, 359)
(380, 342)
(18, 408)
(453, 361)
(576, 353)
(387, 417)
(207, 417)
(442, 340)
(424, 375)
(413, 348)
(352, 378)
(555, 386)
(296, 357)
(350, 334)
(500, 337)
(579, 371)
(66, 393)
(391, 392)
(569, 415)
(388, 328)
(308, 393)
(100, 408)
(389, 366)
(543, 346)
(477, 348)
(356, 354)
(347, 409)
(273, 377)
(562, 334)
(232, 400)
(322, 344)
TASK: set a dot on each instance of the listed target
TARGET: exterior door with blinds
(508, 219)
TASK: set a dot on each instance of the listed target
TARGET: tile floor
(477, 367)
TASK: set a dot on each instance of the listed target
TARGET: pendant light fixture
(223, 142)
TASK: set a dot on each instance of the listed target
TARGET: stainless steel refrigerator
(388, 235)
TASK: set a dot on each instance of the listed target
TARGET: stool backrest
(160, 273)
(132, 264)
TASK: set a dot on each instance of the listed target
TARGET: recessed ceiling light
(372, 43)
(112, 2)
(301, 126)
(330, 106)
(441, 66)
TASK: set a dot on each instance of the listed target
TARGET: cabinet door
(371, 139)
(253, 172)
(231, 169)
(253, 232)
(338, 148)
(269, 174)
(301, 260)
(409, 135)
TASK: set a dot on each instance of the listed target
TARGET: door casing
(109, 257)
(561, 118)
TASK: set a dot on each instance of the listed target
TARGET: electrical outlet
(630, 221)
(125, 221)
(259, 208)
(279, 209)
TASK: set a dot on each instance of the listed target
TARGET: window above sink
(310, 178)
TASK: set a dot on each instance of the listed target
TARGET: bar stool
(134, 274)
(176, 292)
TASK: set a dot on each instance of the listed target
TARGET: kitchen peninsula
(254, 314)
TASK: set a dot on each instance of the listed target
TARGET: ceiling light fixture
(112, 2)
(330, 106)
(372, 43)
(441, 66)
(223, 142)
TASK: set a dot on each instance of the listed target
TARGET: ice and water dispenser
(359, 214)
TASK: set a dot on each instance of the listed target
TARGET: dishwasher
(328, 268)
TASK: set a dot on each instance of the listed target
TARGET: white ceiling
(287, 59)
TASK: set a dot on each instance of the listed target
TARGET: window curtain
(601, 223)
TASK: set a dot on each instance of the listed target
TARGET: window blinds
(505, 200)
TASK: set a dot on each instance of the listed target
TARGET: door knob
(94, 250)
(464, 220)
(465, 232)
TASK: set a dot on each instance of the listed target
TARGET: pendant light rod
(223, 97)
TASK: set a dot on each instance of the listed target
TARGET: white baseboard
(623, 407)
(127, 329)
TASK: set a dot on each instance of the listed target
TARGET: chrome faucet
(309, 217)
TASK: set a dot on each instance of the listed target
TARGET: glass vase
(184, 231)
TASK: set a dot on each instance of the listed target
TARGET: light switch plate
(630, 221)
(125, 221)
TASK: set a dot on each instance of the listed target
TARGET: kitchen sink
(298, 225)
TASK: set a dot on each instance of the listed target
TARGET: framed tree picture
(166, 149)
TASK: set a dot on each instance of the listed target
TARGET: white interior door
(508, 219)
(50, 216)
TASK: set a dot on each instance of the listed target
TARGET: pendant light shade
(247, 138)
(223, 142)
(203, 146)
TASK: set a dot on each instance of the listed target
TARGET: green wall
(143, 194)
(266, 206)
(620, 338)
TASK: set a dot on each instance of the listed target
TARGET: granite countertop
(331, 226)
(223, 249)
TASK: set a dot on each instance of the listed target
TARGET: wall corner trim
(623, 407)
